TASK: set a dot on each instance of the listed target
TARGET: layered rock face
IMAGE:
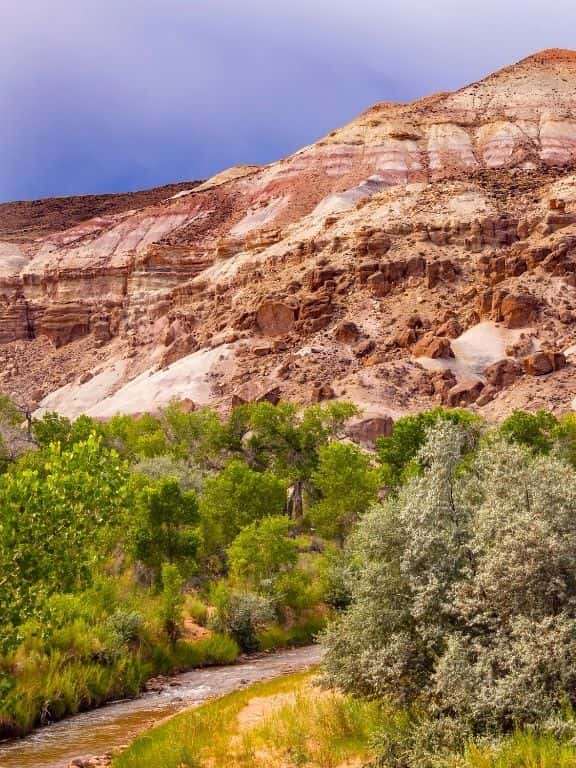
(392, 262)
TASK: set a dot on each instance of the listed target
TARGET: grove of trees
(443, 562)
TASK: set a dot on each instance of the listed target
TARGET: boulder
(415, 321)
(558, 360)
(316, 306)
(379, 284)
(451, 329)
(261, 350)
(257, 392)
(275, 318)
(322, 392)
(367, 431)
(503, 373)
(542, 363)
(464, 393)
(320, 277)
(519, 311)
(317, 323)
(487, 395)
(365, 269)
(538, 364)
(442, 382)
(346, 332)
(405, 339)
(436, 347)
(364, 348)
(440, 271)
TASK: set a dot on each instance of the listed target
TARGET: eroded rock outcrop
(360, 265)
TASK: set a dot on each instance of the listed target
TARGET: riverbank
(99, 731)
(292, 723)
(287, 721)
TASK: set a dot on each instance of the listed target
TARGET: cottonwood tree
(59, 511)
(347, 483)
(234, 498)
(287, 442)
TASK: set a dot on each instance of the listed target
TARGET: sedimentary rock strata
(423, 253)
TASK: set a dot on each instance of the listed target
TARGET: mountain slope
(393, 262)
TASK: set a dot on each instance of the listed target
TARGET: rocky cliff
(423, 253)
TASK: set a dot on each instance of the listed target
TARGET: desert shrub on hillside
(464, 589)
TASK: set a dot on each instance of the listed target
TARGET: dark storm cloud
(115, 94)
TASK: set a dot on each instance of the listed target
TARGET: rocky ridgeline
(355, 268)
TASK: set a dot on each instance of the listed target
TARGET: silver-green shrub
(464, 590)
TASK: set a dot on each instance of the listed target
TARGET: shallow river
(94, 733)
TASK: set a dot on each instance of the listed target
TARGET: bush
(126, 625)
(195, 608)
(262, 552)
(163, 467)
(303, 633)
(464, 599)
(242, 615)
(172, 602)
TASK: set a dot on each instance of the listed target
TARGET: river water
(95, 732)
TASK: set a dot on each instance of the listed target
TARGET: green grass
(303, 633)
(197, 609)
(523, 750)
(303, 728)
(50, 687)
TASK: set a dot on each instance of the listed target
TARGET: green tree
(348, 484)
(136, 437)
(234, 498)
(198, 436)
(165, 526)
(398, 452)
(287, 442)
(262, 551)
(534, 430)
(54, 428)
(59, 512)
(172, 602)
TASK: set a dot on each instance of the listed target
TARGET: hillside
(423, 253)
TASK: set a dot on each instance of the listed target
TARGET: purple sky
(109, 95)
